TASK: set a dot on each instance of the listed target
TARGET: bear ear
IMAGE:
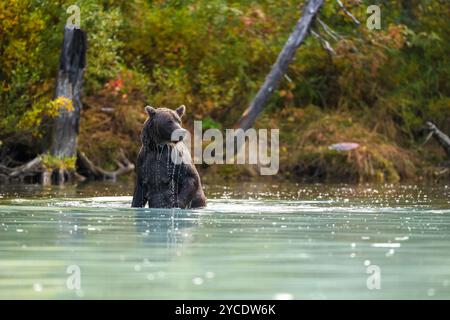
(150, 111)
(180, 110)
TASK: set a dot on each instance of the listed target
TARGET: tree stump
(64, 132)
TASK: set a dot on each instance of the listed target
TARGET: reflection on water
(252, 241)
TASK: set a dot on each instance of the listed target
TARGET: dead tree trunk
(66, 127)
(69, 82)
(285, 57)
(70, 78)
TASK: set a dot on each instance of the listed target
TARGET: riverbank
(111, 124)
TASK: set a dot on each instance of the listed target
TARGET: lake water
(253, 241)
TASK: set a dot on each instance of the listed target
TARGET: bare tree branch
(326, 45)
(333, 34)
(348, 13)
(89, 169)
(441, 137)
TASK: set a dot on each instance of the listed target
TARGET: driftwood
(88, 169)
(22, 172)
(30, 167)
(285, 57)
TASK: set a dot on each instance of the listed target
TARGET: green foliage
(30, 41)
(51, 162)
(102, 26)
(21, 62)
(32, 118)
(209, 54)
(208, 123)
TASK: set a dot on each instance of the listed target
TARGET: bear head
(163, 125)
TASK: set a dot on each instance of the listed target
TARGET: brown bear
(160, 181)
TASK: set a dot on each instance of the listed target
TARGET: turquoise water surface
(253, 241)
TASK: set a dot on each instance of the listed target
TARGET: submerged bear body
(162, 182)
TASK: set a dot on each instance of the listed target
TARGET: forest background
(377, 89)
